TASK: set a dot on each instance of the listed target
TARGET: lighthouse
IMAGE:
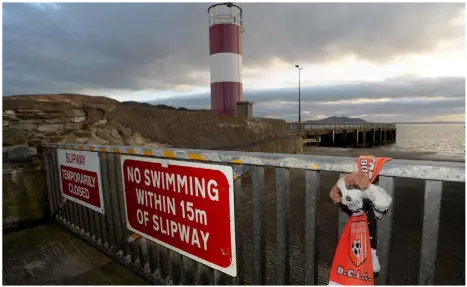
(225, 46)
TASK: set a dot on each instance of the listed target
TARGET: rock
(137, 140)
(97, 140)
(9, 118)
(83, 134)
(12, 137)
(30, 114)
(101, 122)
(73, 127)
(81, 140)
(118, 142)
(9, 113)
(35, 142)
(103, 133)
(5, 154)
(50, 134)
(56, 139)
(52, 115)
(75, 113)
(5, 123)
(50, 128)
(21, 153)
(156, 145)
(23, 126)
(77, 119)
(55, 121)
(115, 134)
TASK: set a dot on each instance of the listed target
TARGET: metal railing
(158, 264)
(300, 127)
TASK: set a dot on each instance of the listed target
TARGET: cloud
(400, 99)
(69, 47)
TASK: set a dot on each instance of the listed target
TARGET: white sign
(80, 178)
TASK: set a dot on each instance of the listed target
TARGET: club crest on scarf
(358, 249)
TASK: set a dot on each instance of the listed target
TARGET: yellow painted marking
(131, 151)
(103, 149)
(91, 148)
(147, 152)
(196, 156)
(237, 161)
(133, 237)
(315, 166)
(169, 153)
(115, 150)
(81, 147)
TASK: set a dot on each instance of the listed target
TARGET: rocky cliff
(32, 120)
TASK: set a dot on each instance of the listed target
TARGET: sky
(385, 62)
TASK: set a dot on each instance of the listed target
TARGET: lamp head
(297, 66)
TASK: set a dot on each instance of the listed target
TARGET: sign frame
(225, 170)
(95, 161)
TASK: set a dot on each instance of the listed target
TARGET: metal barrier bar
(428, 170)
(259, 256)
(240, 279)
(204, 276)
(283, 217)
(384, 232)
(126, 252)
(311, 205)
(106, 221)
(169, 267)
(79, 208)
(115, 229)
(56, 179)
(48, 184)
(343, 217)
(155, 260)
(189, 273)
(432, 209)
(175, 266)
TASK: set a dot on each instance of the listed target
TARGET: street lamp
(299, 110)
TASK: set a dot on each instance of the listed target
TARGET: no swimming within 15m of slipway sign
(187, 207)
(80, 178)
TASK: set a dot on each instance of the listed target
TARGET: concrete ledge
(290, 145)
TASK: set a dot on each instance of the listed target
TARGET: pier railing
(109, 232)
(301, 127)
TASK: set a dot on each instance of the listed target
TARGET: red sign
(80, 178)
(187, 207)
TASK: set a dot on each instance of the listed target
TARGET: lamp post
(299, 109)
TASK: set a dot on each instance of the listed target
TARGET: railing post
(432, 209)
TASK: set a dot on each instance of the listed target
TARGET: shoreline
(355, 152)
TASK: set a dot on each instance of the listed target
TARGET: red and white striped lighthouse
(225, 44)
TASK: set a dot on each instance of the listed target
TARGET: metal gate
(160, 265)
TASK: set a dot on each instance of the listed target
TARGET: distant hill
(337, 120)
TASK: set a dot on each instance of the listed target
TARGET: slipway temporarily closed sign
(80, 178)
(187, 207)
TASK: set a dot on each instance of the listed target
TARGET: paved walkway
(50, 255)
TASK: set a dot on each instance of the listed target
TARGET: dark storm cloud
(69, 47)
(399, 99)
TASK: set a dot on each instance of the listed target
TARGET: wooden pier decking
(355, 135)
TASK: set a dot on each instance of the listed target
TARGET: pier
(357, 135)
